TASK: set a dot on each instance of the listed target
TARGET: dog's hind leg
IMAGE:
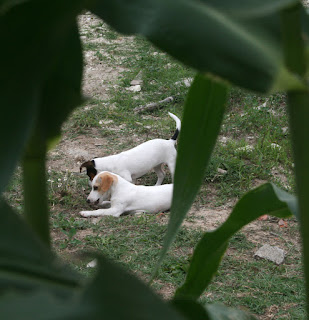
(171, 165)
(160, 173)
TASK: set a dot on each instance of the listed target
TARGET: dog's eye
(95, 188)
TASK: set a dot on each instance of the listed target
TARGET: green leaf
(202, 118)
(25, 263)
(112, 294)
(295, 58)
(116, 294)
(62, 90)
(38, 305)
(266, 199)
(32, 34)
(252, 8)
(190, 309)
(218, 311)
(226, 42)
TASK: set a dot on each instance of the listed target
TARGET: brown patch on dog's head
(104, 181)
(91, 170)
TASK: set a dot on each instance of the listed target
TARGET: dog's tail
(178, 126)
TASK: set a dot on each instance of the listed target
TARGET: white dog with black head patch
(126, 197)
(136, 162)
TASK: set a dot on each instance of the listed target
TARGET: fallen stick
(154, 105)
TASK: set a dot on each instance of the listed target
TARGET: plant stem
(34, 181)
(298, 109)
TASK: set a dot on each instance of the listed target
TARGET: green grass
(135, 241)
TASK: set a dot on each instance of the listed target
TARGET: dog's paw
(85, 213)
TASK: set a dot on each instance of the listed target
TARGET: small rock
(282, 223)
(275, 146)
(136, 88)
(271, 253)
(223, 139)
(264, 217)
(261, 106)
(105, 121)
(136, 82)
(95, 220)
(187, 82)
(92, 264)
(222, 171)
(247, 148)
(285, 130)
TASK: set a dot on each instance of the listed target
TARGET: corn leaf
(25, 263)
(203, 114)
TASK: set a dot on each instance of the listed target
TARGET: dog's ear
(87, 164)
(91, 170)
(107, 181)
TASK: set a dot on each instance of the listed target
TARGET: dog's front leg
(114, 211)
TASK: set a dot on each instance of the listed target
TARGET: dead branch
(154, 105)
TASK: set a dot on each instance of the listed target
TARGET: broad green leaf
(112, 294)
(295, 59)
(32, 35)
(202, 118)
(6, 5)
(25, 263)
(250, 8)
(266, 199)
(116, 294)
(19, 90)
(240, 47)
(190, 309)
(62, 90)
(38, 305)
(218, 311)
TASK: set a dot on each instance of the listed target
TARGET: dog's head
(101, 186)
(91, 170)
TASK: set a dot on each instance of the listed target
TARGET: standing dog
(126, 197)
(136, 162)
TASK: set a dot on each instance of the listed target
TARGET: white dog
(136, 162)
(126, 197)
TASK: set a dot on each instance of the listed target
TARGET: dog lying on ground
(126, 197)
(136, 162)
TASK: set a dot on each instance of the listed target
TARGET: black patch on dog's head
(91, 170)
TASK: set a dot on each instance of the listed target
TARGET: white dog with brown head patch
(136, 162)
(126, 197)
